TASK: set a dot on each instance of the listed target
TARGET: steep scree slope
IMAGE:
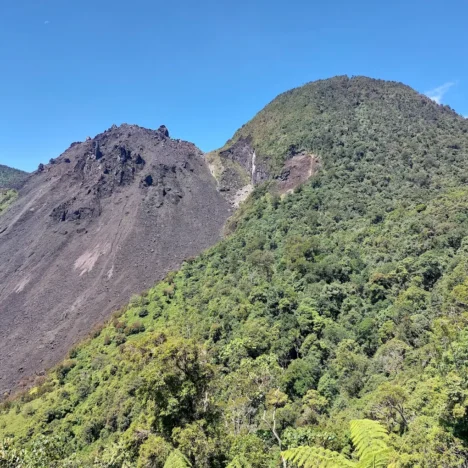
(105, 220)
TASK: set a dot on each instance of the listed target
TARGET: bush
(134, 328)
(120, 338)
(64, 369)
(142, 312)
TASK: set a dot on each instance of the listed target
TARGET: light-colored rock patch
(22, 284)
(241, 195)
(87, 261)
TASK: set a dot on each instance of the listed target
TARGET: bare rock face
(105, 220)
(237, 170)
(297, 170)
(242, 153)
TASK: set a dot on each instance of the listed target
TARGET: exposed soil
(241, 195)
(296, 171)
(105, 220)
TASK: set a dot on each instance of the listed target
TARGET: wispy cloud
(46, 22)
(438, 93)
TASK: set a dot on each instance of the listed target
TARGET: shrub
(119, 339)
(142, 312)
(97, 330)
(64, 369)
(134, 328)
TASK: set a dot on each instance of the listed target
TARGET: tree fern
(177, 460)
(379, 459)
(316, 457)
(368, 437)
(239, 462)
(370, 440)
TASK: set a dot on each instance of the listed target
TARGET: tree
(176, 382)
(177, 459)
(153, 452)
(275, 399)
(389, 405)
(239, 462)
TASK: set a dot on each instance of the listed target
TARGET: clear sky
(71, 68)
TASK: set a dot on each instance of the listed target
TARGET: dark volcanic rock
(241, 152)
(241, 167)
(108, 219)
(163, 131)
(97, 151)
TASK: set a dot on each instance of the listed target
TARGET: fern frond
(369, 437)
(316, 457)
(239, 462)
(378, 459)
(177, 459)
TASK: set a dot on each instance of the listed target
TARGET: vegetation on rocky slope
(346, 120)
(346, 300)
(7, 197)
(11, 178)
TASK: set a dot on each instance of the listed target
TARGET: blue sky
(72, 68)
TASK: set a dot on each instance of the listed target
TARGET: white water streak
(254, 167)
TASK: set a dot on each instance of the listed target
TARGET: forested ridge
(342, 303)
(11, 178)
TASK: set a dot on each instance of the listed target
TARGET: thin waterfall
(254, 167)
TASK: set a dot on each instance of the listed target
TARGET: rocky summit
(105, 220)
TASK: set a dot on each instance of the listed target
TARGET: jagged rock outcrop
(105, 220)
(237, 168)
(238, 164)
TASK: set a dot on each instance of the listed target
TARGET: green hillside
(7, 197)
(349, 119)
(11, 178)
(345, 300)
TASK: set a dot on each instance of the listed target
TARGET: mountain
(339, 294)
(105, 220)
(351, 123)
(11, 178)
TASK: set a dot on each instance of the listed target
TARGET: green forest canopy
(11, 178)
